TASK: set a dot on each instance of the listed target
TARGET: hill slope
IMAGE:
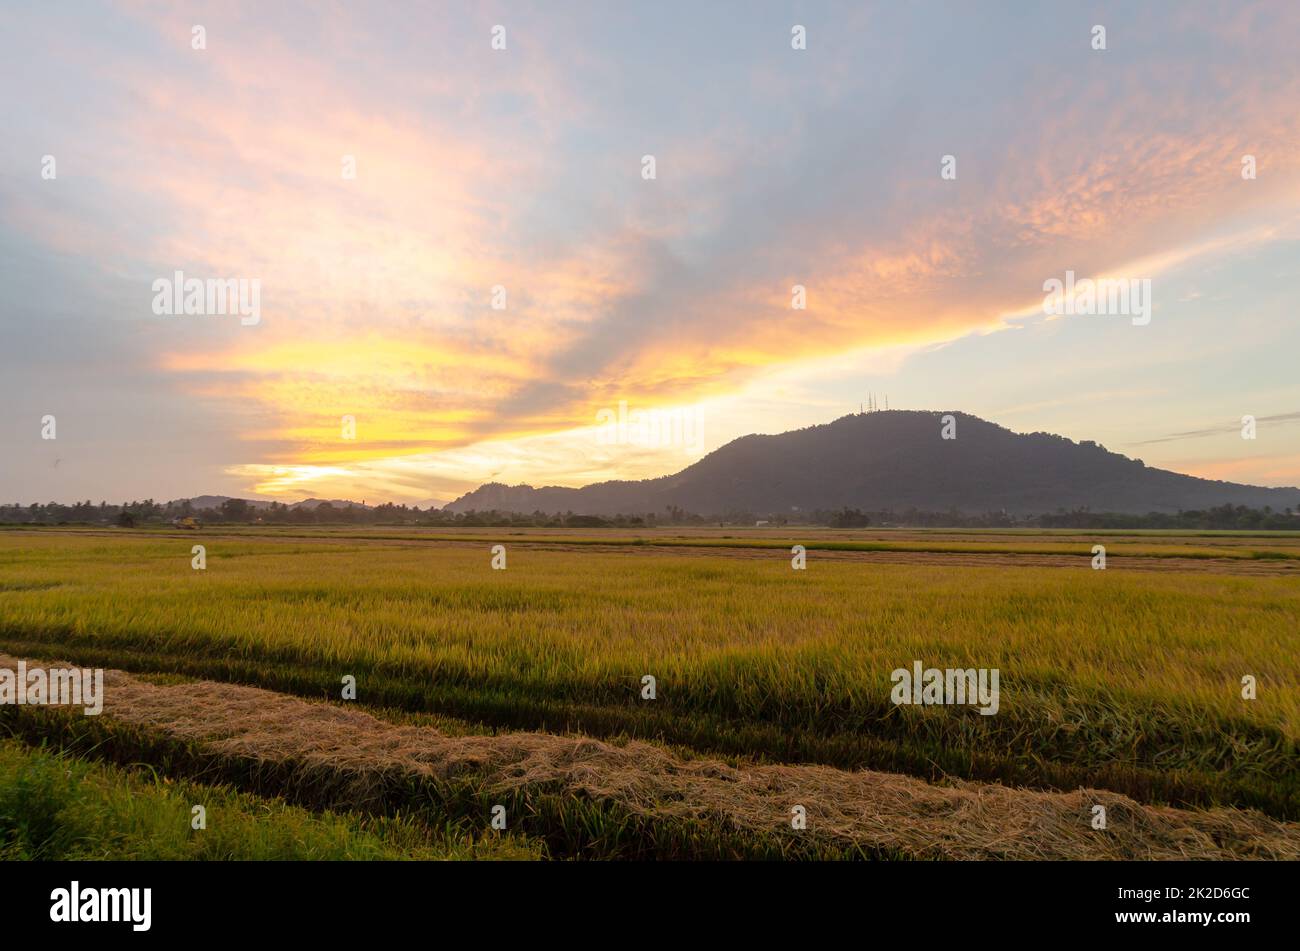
(894, 459)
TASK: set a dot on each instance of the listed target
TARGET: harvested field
(855, 812)
(1119, 679)
(523, 687)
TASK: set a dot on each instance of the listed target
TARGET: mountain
(200, 502)
(894, 460)
(337, 503)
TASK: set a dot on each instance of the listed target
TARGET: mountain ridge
(215, 501)
(894, 459)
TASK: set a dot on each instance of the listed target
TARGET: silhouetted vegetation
(244, 512)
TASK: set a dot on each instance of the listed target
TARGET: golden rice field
(1127, 679)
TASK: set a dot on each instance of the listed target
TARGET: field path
(358, 755)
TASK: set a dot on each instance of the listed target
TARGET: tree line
(242, 512)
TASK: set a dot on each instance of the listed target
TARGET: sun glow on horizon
(464, 257)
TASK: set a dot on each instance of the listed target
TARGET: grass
(54, 806)
(561, 825)
(587, 799)
(1125, 680)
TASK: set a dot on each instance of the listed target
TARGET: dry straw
(876, 812)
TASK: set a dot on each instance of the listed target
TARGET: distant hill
(894, 460)
(337, 503)
(214, 502)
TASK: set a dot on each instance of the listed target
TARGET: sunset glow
(520, 170)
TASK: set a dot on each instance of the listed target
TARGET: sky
(466, 268)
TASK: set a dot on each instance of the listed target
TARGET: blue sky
(522, 168)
